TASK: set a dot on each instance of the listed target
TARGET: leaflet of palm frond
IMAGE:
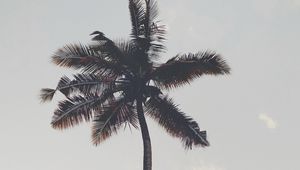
(46, 94)
(182, 69)
(175, 122)
(112, 117)
(137, 15)
(84, 84)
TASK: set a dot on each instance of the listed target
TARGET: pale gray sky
(252, 116)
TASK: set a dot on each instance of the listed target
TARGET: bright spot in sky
(269, 122)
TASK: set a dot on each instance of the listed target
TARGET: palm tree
(120, 81)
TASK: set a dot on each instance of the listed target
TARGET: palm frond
(135, 56)
(112, 117)
(107, 48)
(137, 15)
(154, 31)
(82, 57)
(152, 10)
(46, 94)
(83, 83)
(73, 111)
(151, 14)
(147, 33)
(119, 51)
(182, 69)
(74, 55)
(78, 108)
(128, 50)
(175, 122)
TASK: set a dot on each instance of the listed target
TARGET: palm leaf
(78, 108)
(147, 33)
(82, 83)
(73, 111)
(128, 50)
(182, 69)
(46, 94)
(107, 49)
(154, 32)
(82, 57)
(175, 122)
(112, 117)
(137, 15)
(151, 13)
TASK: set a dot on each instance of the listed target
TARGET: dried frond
(182, 69)
(175, 122)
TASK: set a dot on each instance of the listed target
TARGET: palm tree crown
(119, 82)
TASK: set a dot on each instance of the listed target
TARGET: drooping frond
(182, 69)
(78, 108)
(82, 57)
(111, 118)
(175, 122)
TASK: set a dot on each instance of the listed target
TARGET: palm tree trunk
(146, 137)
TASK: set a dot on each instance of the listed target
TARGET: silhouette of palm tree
(119, 82)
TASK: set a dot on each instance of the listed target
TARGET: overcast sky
(251, 117)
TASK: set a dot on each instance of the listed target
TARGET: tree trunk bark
(147, 164)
